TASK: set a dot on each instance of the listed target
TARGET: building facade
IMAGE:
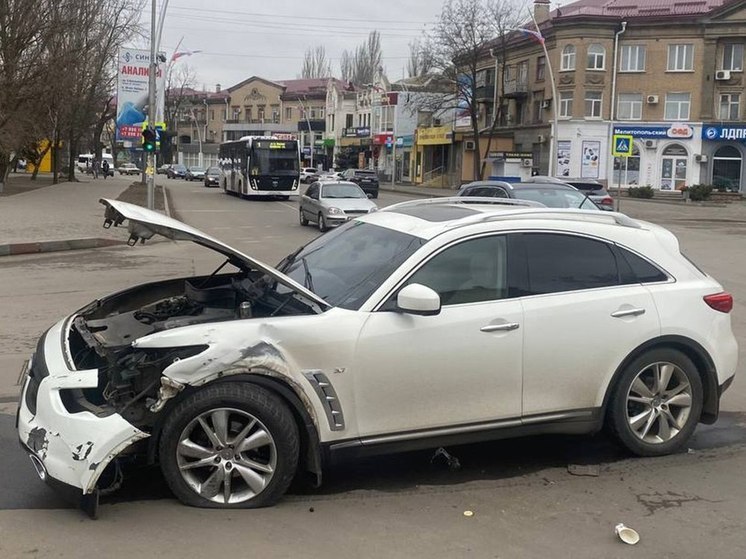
(668, 76)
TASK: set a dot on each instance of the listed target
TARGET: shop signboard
(433, 136)
(677, 130)
(716, 133)
(362, 131)
(589, 168)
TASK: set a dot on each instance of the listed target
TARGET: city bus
(260, 166)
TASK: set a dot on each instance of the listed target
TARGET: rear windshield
(588, 187)
(366, 173)
(555, 197)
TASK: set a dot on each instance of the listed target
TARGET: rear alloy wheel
(657, 403)
(322, 223)
(303, 220)
(230, 445)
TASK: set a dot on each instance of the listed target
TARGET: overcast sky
(241, 38)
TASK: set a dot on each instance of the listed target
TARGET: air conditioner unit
(546, 103)
(700, 158)
(526, 162)
(652, 99)
(470, 145)
(651, 144)
(540, 139)
(722, 75)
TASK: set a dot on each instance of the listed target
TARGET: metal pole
(393, 147)
(151, 108)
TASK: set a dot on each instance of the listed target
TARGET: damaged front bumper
(69, 448)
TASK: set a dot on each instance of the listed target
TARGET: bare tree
(315, 63)
(181, 79)
(458, 43)
(25, 28)
(420, 61)
(365, 63)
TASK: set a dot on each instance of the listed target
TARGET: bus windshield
(266, 161)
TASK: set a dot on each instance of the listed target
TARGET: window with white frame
(568, 58)
(629, 106)
(730, 106)
(633, 58)
(733, 57)
(565, 104)
(680, 58)
(593, 104)
(596, 57)
(677, 106)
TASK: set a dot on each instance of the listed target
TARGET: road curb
(15, 249)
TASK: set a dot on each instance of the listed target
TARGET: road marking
(294, 208)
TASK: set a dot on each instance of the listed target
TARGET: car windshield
(179, 168)
(342, 191)
(274, 162)
(213, 171)
(345, 266)
(555, 197)
(366, 174)
(197, 169)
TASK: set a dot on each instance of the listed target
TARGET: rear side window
(640, 270)
(558, 263)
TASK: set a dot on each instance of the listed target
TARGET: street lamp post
(151, 107)
(199, 138)
(308, 123)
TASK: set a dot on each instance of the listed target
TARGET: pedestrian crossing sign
(622, 145)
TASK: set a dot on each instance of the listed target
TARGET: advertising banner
(591, 159)
(132, 92)
(677, 130)
(563, 158)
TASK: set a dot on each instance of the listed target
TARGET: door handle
(505, 327)
(627, 312)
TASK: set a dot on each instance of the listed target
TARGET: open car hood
(144, 223)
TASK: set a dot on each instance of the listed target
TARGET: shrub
(699, 192)
(641, 191)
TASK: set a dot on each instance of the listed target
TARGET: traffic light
(148, 140)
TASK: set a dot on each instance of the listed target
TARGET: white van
(85, 160)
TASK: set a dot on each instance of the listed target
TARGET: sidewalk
(59, 217)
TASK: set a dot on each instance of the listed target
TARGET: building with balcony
(667, 75)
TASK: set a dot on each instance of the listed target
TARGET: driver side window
(469, 272)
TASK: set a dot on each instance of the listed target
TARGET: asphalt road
(526, 503)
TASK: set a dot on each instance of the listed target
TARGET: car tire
(656, 403)
(303, 220)
(257, 476)
(322, 223)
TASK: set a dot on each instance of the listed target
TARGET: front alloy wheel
(657, 403)
(230, 445)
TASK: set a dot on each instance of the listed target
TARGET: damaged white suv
(427, 323)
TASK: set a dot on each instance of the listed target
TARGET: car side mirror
(418, 299)
(369, 195)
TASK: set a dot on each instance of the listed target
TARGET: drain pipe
(612, 112)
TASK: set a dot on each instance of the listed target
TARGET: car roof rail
(465, 200)
(554, 213)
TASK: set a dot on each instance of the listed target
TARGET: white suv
(427, 323)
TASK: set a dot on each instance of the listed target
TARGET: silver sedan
(331, 203)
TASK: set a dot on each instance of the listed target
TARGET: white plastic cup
(627, 535)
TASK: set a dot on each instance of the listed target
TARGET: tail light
(721, 302)
(608, 201)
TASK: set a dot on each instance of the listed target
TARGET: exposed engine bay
(102, 333)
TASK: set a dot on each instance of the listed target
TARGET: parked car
(552, 195)
(163, 169)
(212, 176)
(128, 169)
(177, 171)
(307, 173)
(590, 187)
(429, 322)
(364, 178)
(195, 173)
(331, 203)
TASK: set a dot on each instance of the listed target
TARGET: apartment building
(667, 74)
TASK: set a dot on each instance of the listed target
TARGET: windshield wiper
(308, 280)
(288, 260)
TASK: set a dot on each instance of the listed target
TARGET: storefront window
(726, 169)
(627, 169)
(673, 167)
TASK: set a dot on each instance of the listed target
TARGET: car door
(461, 367)
(311, 201)
(581, 320)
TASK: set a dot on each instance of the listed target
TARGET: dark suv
(364, 178)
